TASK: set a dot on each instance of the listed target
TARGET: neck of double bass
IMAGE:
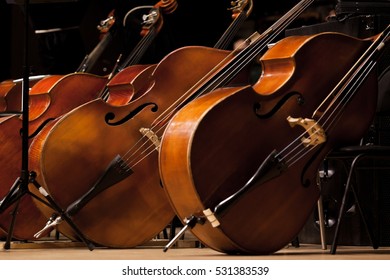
(255, 45)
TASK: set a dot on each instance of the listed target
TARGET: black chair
(354, 159)
(373, 153)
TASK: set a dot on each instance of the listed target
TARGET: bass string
(351, 89)
(352, 81)
(225, 70)
(229, 35)
(196, 90)
(346, 89)
(132, 59)
(356, 76)
(240, 13)
(140, 49)
(143, 148)
(330, 120)
(341, 95)
(138, 153)
(240, 58)
(296, 150)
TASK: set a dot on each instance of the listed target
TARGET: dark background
(193, 23)
(61, 52)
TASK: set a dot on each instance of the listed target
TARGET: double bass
(11, 90)
(240, 164)
(69, 91)
(111, 153)
(240, 12)
(81, 88)
(130, 83)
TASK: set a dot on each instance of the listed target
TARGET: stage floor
(181, 251)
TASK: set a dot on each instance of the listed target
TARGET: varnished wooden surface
(185, 250)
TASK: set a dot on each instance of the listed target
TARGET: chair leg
(348, 185)
(342, 207)
(371, 236)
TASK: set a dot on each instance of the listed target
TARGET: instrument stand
(20, 187)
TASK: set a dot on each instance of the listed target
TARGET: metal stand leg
(20, 187)
(18, 190)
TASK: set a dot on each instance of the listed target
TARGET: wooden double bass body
(50, 98)
(215, 145)
(30, 219)
(11, 90)
(11, 93)
(133, 209)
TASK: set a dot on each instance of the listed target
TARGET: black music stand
(20, 187)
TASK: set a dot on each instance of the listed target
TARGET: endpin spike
(50, 225)
(190, 222)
